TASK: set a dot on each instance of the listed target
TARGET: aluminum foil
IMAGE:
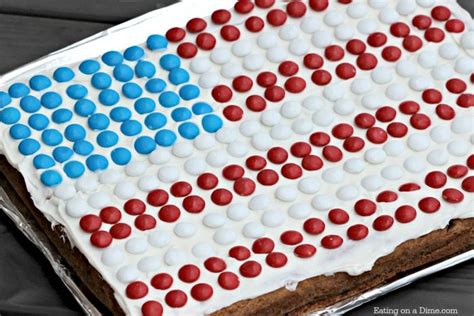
(121, 37)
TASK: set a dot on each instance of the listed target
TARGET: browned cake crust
(311, 294)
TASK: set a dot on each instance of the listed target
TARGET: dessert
(273, 157)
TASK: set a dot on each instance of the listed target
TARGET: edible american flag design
(265, 144)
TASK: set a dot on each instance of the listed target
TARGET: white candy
(148, 183)
(286, 193)
(259, 202)
(276, 54)
(396, 91)
(149, 264)
(242, 48)
(253, 62)
(267, 40)
(200, 65)
(414, 164)
(111, 176)
(448, 50)
(464, 65)
(87, 183)
(394, 148)
(459, 147)
(388, 16)
(288, 109)
(208, 80)
(333, 18)
(462, 124)
(440, 134)
(127, 274)
(204, 142)
(64, 191)
(467, 40)
(213, 220)
(321, 39)
(231, 70)
(367, 26)
(309, 24)
(168, 174)
(378, 4)
(136, 245)
(237, 212)
(262, 141)
(298, 47)
(357, 10)
(226, 135)
(406, 68)
(322, 202)
(392, 173)
(354, 165)
(299, 210)
(333, 175)
(333, 92)
(344, 107)
(442, 72)
(438, 157)
(302, 126)
(220, 55)
(253, 230)
(99, 199)
(375, 156)
(136, 168)
(309, 185)
(406, 7)
(373, 101)
(314, 103)
(425, 3)
(195, 166)
(419, 83)
(224, 236)
(159, 156)
(238, 149)
(159, 238)
(112, 256)
(347, 192)
(125, 190)
(174, 257)
(427, 59)
(202, 250)
(185, 229)
(418, 142)
(323, 118)
(249, 127)
(272, 218)
(372, 182)
(381, 75)
(288, 32)
(217, 158)
(280, 132)
(361, 86)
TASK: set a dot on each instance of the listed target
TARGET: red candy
(250, 269)
(276, 259)
(239, 252)
(468, 184)
(157, 197)
(331, 241)
(194, 204)
(364, 120)
(353, 144)
(136, 290)
(387, 196)
(313, 61)
(366, 61)
(421, 22)
(101, 239)
(264, 3)
(196, 25)
(338, 216)
(385, 114)
(267, 177)
(169, 213)
(176, 298)
(207, 181)
(162, 281)
(304, 251)
(90, 223)
(319, 139)
(440, 13)
(256, 163)
(291, 237)
(434, 34)
(274, 93)
(412, 43)
(376, 135)
(342, 130)
(120, 231)
(465, 100)
(355, 46)
(152, 308)
(405, 214)
(399, 29)
(291, 171)
(300, 149)
(470, 162)
(233, 172)
(220, 16)
(420, 121)
(222, 93)
(228, 280)
(382, 223)
(244, 186)
(277, 155)
(230, 33)
(334, 53)
(189, 273)
(276, 17)
(321, 77)
(175, 34)
(332, 153)
(312, 162)
(288, 68)
(242, 84)
(391, 53)
(215, 264)
(452, 195)
(357, 232)
(256, 103)
(314, 226)
(409, 187)
(145, 222)
(296, 9)
(266, 79)
(365, 207)
(345, 71)
(134, 207)
(187, 50)
(445, 112)
(201, 292)
(221, 196)
(243, 7)
(377, 39)
(295, 84)
(233, 113)
(409, 107)
(180, 189)
(110, 215)
(457, 171)
(435, 179)
(397, 129)
(263, 245)
(454, 26)
(206, 41)
(319, 5)
(456, 85)
(429, 204)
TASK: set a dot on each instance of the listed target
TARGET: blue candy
(168, 99)
(28, 146)
(120, 114)
(107, 139)
(89, 67)
(61, 116)
(76, 91)
(97, 162)
(18, 90)
(39, 82)
(51, 178)
(83, 147)
(63, 74)
(10, 116)
(156, 42)
(189, 92)
(123, 73)
(155, 85)
(30, 104)
(109, 97)
(133, 53)
(75, 132)
(144, 145)
(5, 99)
(101, 80)
(84, 107)
(169, 61)
(62, 154)
(131, 90)
(112, 58)
(188, 130)
(165, 137)
(98, 121)
(20, 131)
(51, 100)
(121, 156)
(38, 121)
(211, 123)
(51, 137)
(131, 128)
(144, 105)
(178, 76)
(201, 108)
(181, 114)
(74, 169)
(145, 69)
(155, 121)
(43, 161)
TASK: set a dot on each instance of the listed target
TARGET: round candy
(101, 80)
(169, 61)
(63, 74)
(144, 145)
(121, 156)
(188, 130)
(132, 90)
(181, 114)
(89, 67)
(38, 121)
(108, 97)
(107, 139)
(84, 107)
(168, 99)
(62, 153)
(133, 53)
(5, 99)
(29, 104)
(51, 178)
(83, 147)
(10, 116)
(51, 100)
(75, 132)
(61, 116)
(39, 82)
(155, 85)
(112, 58)
(123, 73)
(131, 127)
(189, 92)
(74, 169)
(20, 131)
(97, 162)
(156, 42)
(155, 121)
(43, 161)
(211, 123)
(98, 121)
(120, 114)
(51, 137)
(28, 146)
(145, 69)
(178, 76)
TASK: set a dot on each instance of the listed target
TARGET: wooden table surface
(30, 29)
